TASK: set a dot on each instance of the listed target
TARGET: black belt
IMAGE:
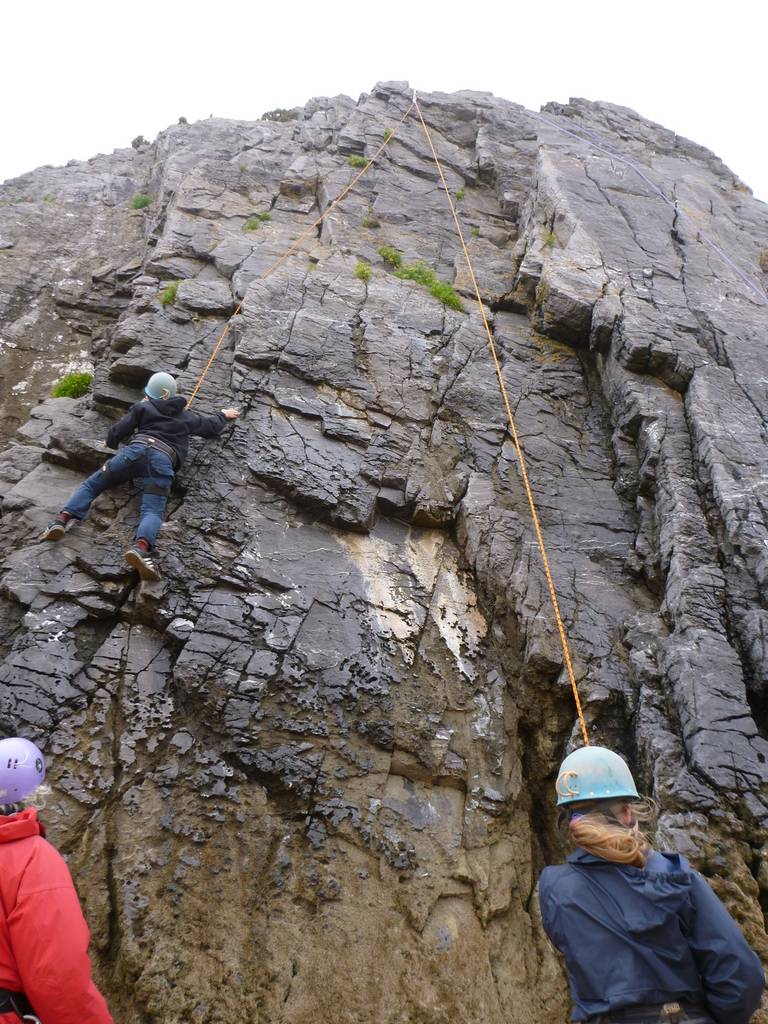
(671, 1012)
(16, 1002)
(155, 442)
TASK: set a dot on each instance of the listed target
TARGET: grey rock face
(313, 767)
(69, 246)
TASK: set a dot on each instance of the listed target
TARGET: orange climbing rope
(389, 134)
(515, 438)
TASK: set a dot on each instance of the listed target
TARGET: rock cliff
(309, 775)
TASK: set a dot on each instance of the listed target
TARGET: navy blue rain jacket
(647, 935)
(166, 419)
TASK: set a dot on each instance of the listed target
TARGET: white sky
(82, 77)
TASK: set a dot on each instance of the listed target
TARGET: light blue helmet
(160, 385)
(594, 773)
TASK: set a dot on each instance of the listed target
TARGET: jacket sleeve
(548, 906)
(206, 426)
(50, 944)
(731, 975)
(124, 427)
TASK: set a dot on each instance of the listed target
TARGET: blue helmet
(594, 773)
(160, 385)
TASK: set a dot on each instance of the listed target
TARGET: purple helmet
(22, 769)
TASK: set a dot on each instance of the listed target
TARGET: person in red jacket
(45, 972)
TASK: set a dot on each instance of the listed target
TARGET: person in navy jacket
(644, 937)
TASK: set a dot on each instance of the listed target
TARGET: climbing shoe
(57, 529)
(142, 562)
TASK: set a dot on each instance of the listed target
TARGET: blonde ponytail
(601, 833)
(36, 798)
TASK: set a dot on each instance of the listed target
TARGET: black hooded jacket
(167, 420)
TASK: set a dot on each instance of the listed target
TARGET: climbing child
(45, 973)
(157, 430)
(645, 939)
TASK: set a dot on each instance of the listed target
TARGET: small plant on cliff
(139, 201)
(447, 294)
(357, 161)
(74, 385)
(549, 239)
(391, 256)
(363, 271)
(460, 195)
(418, 272)
(168, 295)
(370, 220)
(475, 231)
(280, 114)
(254, 223)
(423, 275)
(387, 134)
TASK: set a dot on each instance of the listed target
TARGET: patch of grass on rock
(140, 201)
(280, 115)
(419, 272)
(74, 385)
(390, 255)
(363, 271)
(255, 222)
(168, 295)
(444, 292)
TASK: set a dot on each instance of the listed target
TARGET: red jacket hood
(21, 825)
(43, 935)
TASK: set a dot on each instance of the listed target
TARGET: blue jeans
(149, 467)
